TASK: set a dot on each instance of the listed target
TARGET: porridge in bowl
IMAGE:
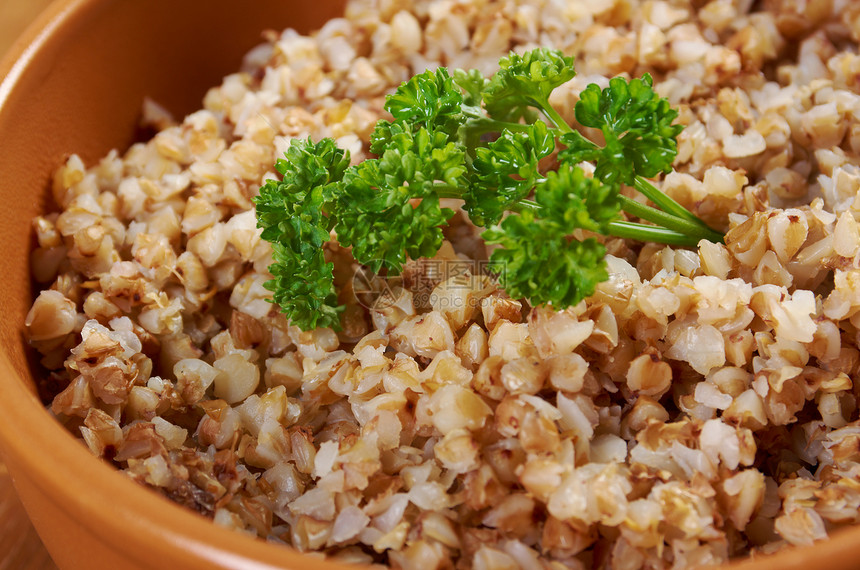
(698, 406)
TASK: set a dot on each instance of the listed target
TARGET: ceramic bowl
(74, 83)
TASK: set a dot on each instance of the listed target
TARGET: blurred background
(20, 547)
(15, 15)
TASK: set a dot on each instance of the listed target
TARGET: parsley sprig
(489, 142)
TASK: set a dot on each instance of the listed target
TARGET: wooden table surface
(20, 547)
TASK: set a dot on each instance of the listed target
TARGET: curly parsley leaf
(389, 208)
(292, 213)
(506, 171)
(526, 81)
(429, 99)
(309, 172)
(473, 83)
(636, 124)
(309, 301)
(541, 263)
(573, 200)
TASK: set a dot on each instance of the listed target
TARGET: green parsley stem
(482, 125)
(552, 115)
(665, 220)
(448, 191)
(668, 205)
(642, 232)
(526, 204)
(672, 230)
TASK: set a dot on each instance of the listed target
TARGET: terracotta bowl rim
(83, 485)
